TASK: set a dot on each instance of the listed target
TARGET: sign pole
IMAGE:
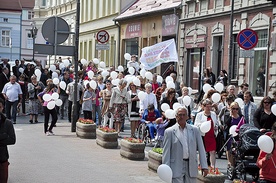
(74, 107)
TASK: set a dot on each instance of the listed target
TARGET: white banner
(159, 53)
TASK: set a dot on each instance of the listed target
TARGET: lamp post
(33, 34)
(230, 61)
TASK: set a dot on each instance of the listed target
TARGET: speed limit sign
(102, 36)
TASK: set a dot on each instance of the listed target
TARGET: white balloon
(149, 75)
(62, 85)
(102, 64)
(66, 63)
(170, 114)
(165, 173)
(131, 70)
(113, 74)
(90, 74)
(93, 84)
(176, 106)
(105, 73)
(51, 105)
(159, 79)
(273, 109)
(61, 65)
(142, 95)
(219, 87)
(84, 62)
(169, 78)
(115, 81)
(21, 70)
(240, 102)
(232, 130)
(190, 91)
(142, 66)
(37, 72)
(53, 68)
(205, 126)
(187, 100)
(55, 81)
(85, 82)
(170, 84)
(38, 78)
(143, 73)
(55, 96)
(58, 102)
(127, 56)
(215, 97)
(54, 75)
(265, 143)
(165, 106)
(47, 97)
(206, 87)
(96, 61)
(120, 68)
(136, 81)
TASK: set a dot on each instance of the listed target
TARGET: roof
(16, 5)
(143, 7)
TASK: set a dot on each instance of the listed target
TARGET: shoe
(31, 121)
(61, 117)
(47, 134)
(51, 133)
(122, 130)
(14, 122)
(36, 121)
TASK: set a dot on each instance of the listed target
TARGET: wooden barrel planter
(108, 140)
(132, 151)
(86, 131)
(155, 159)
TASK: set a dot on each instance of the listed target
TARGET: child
(160, 126)
(88, 98)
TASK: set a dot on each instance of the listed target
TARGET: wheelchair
(142, 132)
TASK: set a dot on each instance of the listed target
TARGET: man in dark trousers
(15, 69)
(7, 137)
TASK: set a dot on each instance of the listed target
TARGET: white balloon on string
(165, 106)
(120, 68)
(84, 61)
(51, 105)
(113, 74)
(55, 96)
(93, 84)
(186, 100)
(136, 81)
(66, 63)
(170, 84)
(143, 73)
(169, 78)
(131, 70)
(58, 102)
(216, 97)
(96, 61)
(206, 87)
(142, 95)
(38, 72)
(127, 56)
(62, 85)
(102, 64)
(159, 79)
(56, 81)
(21, 70)
(149, 75)
(90, 74)
(47, 97)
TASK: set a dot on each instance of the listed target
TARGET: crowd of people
(108, 99)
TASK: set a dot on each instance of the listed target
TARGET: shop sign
(169, 24)
(195, 41)
(134, 30)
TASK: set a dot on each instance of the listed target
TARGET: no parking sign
(247, 39)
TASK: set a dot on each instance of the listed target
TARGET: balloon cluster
(218, 87)
(52, 100)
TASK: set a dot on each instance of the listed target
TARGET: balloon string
(273, 162)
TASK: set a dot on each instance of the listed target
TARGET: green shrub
(158, 150)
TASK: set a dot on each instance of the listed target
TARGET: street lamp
(33, 34)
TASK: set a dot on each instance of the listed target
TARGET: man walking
(7, 137)
(13, 95)
(181, 143)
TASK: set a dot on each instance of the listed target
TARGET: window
(219, 3)
(191, 8)
(30, 15)
(6, 37)
(43, 3)
(29, 41)
(5, 19)
(262, 38)
(203, 5)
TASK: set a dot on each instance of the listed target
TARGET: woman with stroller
(267, 161)
(234, 119)
(263, 117)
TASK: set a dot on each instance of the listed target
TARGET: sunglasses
(235, 109)
(266, 102)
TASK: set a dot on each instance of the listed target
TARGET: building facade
(204, 42)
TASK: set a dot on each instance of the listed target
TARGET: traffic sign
(102, 36)
(247, 39)
(102, 46)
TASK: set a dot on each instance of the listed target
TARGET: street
(65, 158)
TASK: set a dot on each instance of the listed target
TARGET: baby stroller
(245, 152)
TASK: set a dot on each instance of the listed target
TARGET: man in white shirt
(149, 99)
(13, 95)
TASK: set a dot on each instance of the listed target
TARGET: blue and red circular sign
(247, 39)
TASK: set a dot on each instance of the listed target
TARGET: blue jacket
(146, 112)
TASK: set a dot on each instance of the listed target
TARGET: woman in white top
(149, 99)
(118, 103)
(134, 108)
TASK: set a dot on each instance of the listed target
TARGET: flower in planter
(107, 130)
(85, 121)
(133, 140)
(158, 150)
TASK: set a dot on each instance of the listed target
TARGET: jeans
(152, 127)
(47, 113)
(64, 105)
(11, 106)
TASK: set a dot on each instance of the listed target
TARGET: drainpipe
(119, 43)
(20, 37)
(267, 62)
